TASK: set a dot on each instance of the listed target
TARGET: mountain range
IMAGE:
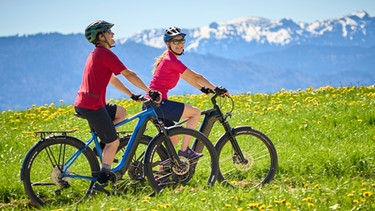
(252, 54)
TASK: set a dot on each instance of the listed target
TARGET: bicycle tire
(42, 176)
(258, 150)
(199, 172)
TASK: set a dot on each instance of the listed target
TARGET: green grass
(325, 139)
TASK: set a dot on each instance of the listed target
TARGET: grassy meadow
(325, 139)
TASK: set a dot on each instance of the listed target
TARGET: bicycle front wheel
(47, 179)
(260, 158)
(198, 172)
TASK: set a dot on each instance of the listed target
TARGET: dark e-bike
(61, 169)
(247, 157)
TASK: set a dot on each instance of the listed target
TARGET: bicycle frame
(144, 116)
(211, 116)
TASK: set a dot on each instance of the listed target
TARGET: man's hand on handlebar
(136, 97)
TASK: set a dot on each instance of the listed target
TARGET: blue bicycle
(61, 169)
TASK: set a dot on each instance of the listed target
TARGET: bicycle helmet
(96, 28)
(172, 32)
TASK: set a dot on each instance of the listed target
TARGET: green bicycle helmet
(96, 28)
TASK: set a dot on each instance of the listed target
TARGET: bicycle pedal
(100, 188)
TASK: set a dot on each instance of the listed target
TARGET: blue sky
(25, 17)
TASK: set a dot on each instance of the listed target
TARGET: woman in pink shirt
(166, 73)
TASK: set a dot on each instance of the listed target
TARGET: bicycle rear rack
(44, 134)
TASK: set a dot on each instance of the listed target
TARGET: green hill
(325, 139)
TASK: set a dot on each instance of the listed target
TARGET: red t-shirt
(100, 65)
(167, 74)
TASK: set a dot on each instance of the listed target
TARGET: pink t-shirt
(167, 74)
(100, 65)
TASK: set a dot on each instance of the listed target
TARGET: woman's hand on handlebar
(155, 96)
(221, 91)
(206, 90)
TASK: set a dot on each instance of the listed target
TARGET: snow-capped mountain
(247, 36)
(250, 54)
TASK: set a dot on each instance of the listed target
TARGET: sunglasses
(176, 41)
(109, 31)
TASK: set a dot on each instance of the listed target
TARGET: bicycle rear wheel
(47, 180)
(199, 172)
(260, 164)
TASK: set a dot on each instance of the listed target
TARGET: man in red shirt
(102, 67)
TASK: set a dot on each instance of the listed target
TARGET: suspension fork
(208, 122)
(167, 141)
(238, 156)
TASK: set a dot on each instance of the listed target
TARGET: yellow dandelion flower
(307, 199)
(359, 120)
(253, 205)
(310, 205)
(367, 194)
(350, 195)
(316, 186)
(112, 209)
(239, 209)
(233, 182)
(306, 185)
(355, 201)
(288, 204)
(228, 205)
(280, 201)
(203, 199)
(373, 185)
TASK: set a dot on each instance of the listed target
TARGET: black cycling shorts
(101, 121)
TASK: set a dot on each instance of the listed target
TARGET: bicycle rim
(167, 173)
(44, 180)
(260, 164)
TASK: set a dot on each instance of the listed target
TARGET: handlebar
(214, 102)
(148, 101)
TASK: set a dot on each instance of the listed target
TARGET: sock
(105, 167)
